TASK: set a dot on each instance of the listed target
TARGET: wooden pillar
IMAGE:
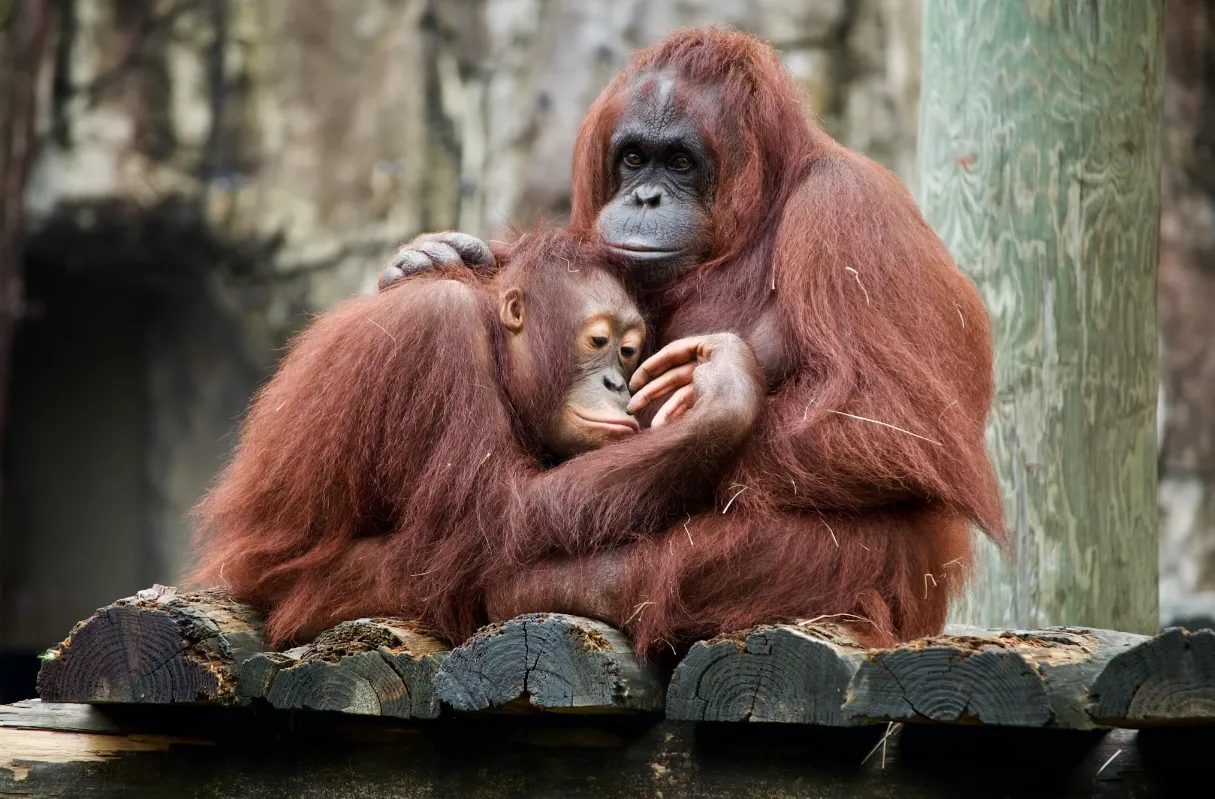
(1039, 164)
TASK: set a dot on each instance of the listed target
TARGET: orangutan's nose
(648, 196)
(614, 381)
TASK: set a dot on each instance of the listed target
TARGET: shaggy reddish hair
(858, 492)
(374, 470)
(390, 466)
(393, 465)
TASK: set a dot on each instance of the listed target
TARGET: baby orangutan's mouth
(615, 425)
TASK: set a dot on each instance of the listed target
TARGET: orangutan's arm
(637, 486)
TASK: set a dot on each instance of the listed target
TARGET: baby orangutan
(396, 463)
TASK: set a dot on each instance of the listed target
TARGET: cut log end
(377, 667)
(996, 677)
(793, 673)
(155, 647)
(548, 662)
(1165, 680)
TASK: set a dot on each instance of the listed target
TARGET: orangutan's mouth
(637, 251)
(618, 425)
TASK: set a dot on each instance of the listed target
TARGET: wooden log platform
(168, 694)
(162, 647)
(548, 662)
(378, 667)
(158, 646)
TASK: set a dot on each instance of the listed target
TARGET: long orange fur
(857, 496)
(385, 469)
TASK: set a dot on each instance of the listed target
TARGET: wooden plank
(35, 714)
(1165, 680)
(270, 754)
(549, 662)
(157, 646)
(1039, 154)
(1007, 678)
(377, 667)
(791, 673)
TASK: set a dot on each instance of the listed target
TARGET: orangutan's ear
(510, 311)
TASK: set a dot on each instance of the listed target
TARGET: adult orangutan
(857, 491)
(394, 460)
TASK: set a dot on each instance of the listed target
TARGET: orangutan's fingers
(440, 253)
(679, 402)
(674, 354)
(404, 263)
(472, 250)
(667, 381)
(391, 274)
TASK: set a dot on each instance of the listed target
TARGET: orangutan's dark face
(658, 215)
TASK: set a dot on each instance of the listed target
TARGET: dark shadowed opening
(128, 379)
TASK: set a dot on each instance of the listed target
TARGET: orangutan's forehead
(653, 100)
(601, 293)
(666, 105)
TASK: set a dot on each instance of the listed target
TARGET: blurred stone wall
(230, 165)
(343, 131)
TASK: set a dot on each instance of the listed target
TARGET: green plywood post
(1039, 165)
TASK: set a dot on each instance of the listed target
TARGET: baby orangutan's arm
(584, 586)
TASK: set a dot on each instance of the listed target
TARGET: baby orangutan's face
(606, 352)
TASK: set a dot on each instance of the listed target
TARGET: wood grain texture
(158, 646)
(548, 662)
(1002, 678)
(1165, 680)
(1039, 165)
(789, 673)
(373, 667)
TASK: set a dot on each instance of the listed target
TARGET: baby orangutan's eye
(628, 352)
(599, 342)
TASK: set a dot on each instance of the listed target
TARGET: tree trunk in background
(1040, 130)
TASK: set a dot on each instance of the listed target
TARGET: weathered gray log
(1038, 678)
(1165, 680)
(550, 662)
(792, 673)
(158, 646)
(374, 667)
(35, 714)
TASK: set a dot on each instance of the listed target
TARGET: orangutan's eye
(599, 342)
(628, 352)
(680, 162)
(633, 159)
